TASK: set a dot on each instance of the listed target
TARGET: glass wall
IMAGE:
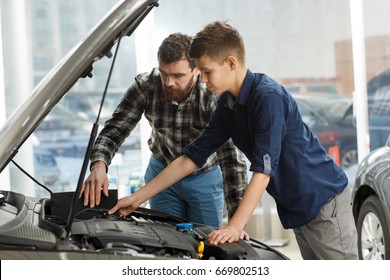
(304, 44)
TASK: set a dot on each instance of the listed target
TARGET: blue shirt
(265, 123)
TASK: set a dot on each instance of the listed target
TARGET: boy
(263, 121)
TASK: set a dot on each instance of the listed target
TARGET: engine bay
(39, 226)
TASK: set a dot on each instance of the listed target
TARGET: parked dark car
(378, 96)
(330, 117)
(59, 226)
(46, 169)
(371, 204)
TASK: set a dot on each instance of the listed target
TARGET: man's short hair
(175, 48)
(218, 40)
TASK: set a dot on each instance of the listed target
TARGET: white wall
(4, 176)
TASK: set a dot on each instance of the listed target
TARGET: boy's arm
(175, 171)
(249, 202)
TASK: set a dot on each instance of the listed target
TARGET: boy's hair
(174, 48)
(218, 40)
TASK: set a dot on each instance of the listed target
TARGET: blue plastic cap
(184, 226)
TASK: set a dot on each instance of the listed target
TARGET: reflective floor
(290, 250)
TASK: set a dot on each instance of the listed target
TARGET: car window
(379, 116)
(327, 109)
(335, 110)
(379, 101)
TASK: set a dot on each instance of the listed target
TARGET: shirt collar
(244, 91)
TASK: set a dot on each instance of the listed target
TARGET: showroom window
(306, 45)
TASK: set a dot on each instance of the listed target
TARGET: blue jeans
(197, 198)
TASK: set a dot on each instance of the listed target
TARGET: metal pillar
(19, 77)
(4, 176)
(359, 68)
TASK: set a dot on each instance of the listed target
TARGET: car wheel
(373, 231)
(349, 158)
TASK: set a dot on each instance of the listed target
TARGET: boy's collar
(244, 92)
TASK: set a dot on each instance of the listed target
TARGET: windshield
(333, 109)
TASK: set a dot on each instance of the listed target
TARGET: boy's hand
(126, 205)
(227, 234)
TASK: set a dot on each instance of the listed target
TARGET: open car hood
(121, 20)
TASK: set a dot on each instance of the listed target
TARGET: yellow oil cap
(200, 249)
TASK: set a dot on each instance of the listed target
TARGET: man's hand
(96, 183)
(227, 234)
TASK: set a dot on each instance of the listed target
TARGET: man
(286, 158)
(177, 107)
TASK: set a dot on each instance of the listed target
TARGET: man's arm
(178, 169)
(116, 129)
(234, 172)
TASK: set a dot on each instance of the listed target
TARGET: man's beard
(173, 94)
(177, 94)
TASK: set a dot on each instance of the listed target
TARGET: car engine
(38, 226)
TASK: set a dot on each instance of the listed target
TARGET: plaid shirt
(174, 125)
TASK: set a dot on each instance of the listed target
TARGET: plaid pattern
(174, 125)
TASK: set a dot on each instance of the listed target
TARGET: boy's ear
(232, 61)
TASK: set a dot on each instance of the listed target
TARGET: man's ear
(232, 61)
(196, 71)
